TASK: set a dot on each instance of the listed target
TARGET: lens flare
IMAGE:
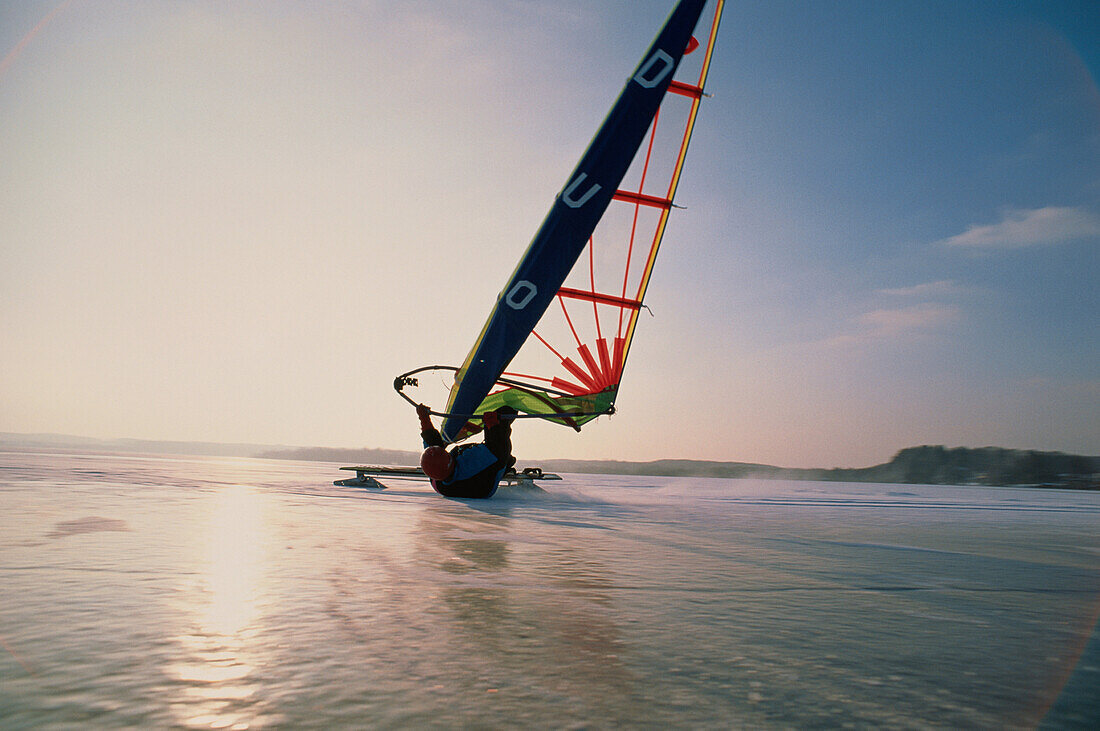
(14, 53)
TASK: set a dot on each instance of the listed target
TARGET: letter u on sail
(567, 194)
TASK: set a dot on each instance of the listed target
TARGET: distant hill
(930, 465)
(939, 465)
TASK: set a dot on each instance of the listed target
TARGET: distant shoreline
(927, 465)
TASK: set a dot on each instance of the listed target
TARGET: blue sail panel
(571, 220)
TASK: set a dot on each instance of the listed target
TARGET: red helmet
(437, 463)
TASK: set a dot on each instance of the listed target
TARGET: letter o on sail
(659, 57)
(567, 194)
(521, 294)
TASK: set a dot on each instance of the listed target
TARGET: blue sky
(238, 221)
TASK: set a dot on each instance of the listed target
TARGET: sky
(239, 221)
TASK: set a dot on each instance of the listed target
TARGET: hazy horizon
(314, 452)
(236, 223)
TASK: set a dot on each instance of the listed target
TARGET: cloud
(927, 289)
(1020, 228)
(891, 324)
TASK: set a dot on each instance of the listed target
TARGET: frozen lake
(140, 591)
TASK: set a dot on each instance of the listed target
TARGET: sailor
(468, 470)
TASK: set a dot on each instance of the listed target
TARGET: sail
(556, 341)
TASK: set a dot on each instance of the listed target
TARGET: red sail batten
(605, 362)
(579, 374)
(642, 199)
(679, 87)
(593, 368)
(569, 387)
(620, 356)
(603, 299)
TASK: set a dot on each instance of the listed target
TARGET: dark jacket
(478, 467)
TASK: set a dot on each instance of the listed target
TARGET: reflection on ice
(531, 616)
(217, 647)
(235, 561)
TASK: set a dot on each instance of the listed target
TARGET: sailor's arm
(428, 433)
